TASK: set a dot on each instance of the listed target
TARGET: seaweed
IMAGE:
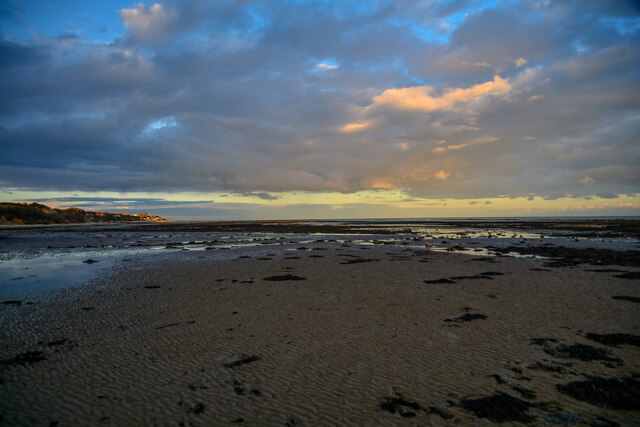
(610, 393)
(614, 339)
(500, 407)
(284, 277)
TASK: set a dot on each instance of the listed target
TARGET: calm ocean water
(33, 260)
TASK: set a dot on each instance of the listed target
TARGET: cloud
(117, 202)
(520, 62)
(226, 96)
(261, 195)
(419, 98)
(356, 127)
(602, 206)
(146, 22)
(442, 175)
(323, 66)
(484, 139)
(587, 180)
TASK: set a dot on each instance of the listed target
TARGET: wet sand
(343, 336)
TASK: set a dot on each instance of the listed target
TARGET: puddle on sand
(29, 272)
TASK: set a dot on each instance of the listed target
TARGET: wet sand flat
(334, 337)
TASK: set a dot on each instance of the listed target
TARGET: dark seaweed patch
(614, 339)
(634, 275)
(498, 378)
(500, 408)
(284, 277)
(399, 404)
(167, 326)
(244, 359)
(198, 409)
(524, 392)
(547, 368)
(12, 302)
(439, 281)
(477, 276)
(467, 317)
(626, 298)
(611, 393)
(564, 256)
(24, 358)
(358, 261)
(581, 352)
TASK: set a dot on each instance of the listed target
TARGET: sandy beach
(339, 335)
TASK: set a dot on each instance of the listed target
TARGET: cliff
(36, 213)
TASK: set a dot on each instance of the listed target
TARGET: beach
(319, 329)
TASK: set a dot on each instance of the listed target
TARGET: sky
(196, 110)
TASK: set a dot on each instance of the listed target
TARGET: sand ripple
(161, 343)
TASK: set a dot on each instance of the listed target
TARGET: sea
(35, 260)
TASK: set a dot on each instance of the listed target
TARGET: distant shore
(37, 213)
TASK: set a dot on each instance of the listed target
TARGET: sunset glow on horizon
(197, 110)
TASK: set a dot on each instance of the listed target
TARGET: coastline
(361, 336)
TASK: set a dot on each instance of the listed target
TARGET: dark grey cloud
(262, 195)
(227, 96)
(114, 201)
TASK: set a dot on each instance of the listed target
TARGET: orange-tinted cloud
(442, 175)
(356, 127)
(419, 98)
